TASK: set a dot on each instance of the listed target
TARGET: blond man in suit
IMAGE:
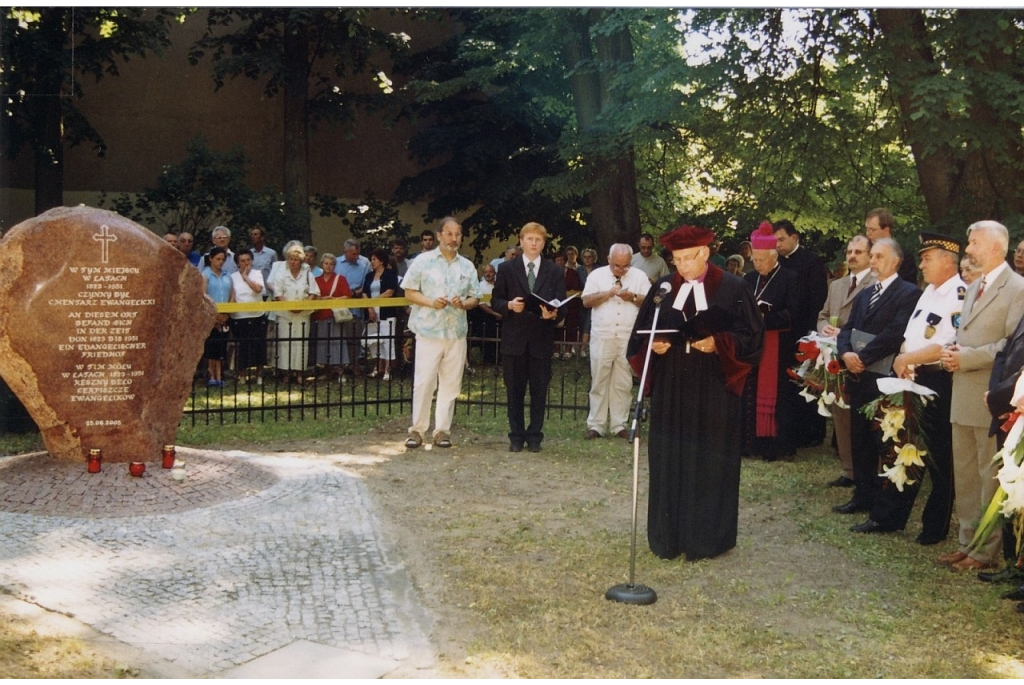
(992, 309)
(837, 308)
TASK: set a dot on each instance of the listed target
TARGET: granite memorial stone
(102, 324)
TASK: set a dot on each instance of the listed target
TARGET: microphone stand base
(631, 594)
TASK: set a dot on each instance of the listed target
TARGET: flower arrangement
(820, 373)
(897, 412)
(1008, 500)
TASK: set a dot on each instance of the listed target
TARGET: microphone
(664, 290)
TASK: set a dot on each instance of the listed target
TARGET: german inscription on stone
(102, 324)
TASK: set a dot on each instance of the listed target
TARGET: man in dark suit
(883, 312)
(528, 333)
(932, 327)
(812, 278)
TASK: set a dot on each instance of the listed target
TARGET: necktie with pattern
(853, 285)
(875, 294)
(531, 277)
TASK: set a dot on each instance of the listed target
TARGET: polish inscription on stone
(101, 327)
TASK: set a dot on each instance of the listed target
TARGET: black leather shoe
(1016, 595)
(870, 526)
(515, 447)
(841, 482)
(533, 446)
(851, 507)
(1010, 574)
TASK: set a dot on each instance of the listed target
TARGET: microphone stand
(631, 593)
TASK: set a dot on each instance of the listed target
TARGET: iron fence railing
(339, 385)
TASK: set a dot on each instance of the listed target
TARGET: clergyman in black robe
(696, 379)
(770, 397)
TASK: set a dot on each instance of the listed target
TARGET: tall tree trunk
(614, 209)
(978, 181)
(47, 109)
(296, 130)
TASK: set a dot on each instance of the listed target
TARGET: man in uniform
(932, 326)
(832, 317)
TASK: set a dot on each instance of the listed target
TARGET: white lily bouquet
(820, 372)
(1008, 500)
(897, 413)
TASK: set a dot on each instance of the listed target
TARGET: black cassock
(777, 295)
(695, 412)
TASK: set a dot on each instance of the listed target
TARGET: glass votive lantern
(168, 457)
(94, 460)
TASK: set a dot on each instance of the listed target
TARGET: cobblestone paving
(289, 551)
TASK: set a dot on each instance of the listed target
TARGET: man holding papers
(528, 333)
(696, 379)
(613, 293)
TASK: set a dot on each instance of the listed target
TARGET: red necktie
(981, 290)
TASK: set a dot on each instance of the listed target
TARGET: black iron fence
(323, 369)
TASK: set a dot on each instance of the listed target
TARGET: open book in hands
(534, 302)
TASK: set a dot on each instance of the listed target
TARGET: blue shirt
(219, 288)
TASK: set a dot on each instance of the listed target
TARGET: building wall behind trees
(148, 113)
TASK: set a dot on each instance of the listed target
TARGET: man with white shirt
(614, 294)
(645, 260)
(832, 317)
(992, 309)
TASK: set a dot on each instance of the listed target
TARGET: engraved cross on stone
(105, 237)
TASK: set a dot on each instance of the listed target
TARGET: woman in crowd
(218, 287)
(570, 330)
(326, 336)
(249, 328)
(734, 265)
(381, 282)
(293, 283)
(589, 257)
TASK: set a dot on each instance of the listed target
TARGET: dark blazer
(812, 291)
(1005, 371)
(526, 331)
(388, 281)
(887, 320)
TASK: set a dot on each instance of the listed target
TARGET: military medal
(932, 321)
